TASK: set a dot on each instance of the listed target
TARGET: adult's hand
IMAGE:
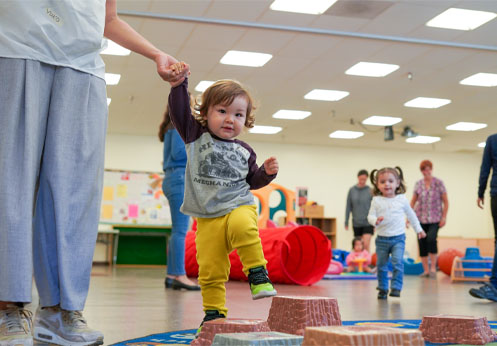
(346, 228)
(164, 62)
(442, 222)
(480, 202)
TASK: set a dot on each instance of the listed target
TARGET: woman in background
(431, 204)
(173, 186)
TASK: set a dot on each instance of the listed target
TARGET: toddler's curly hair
(223, 92)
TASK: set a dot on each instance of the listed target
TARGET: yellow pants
(215, 239)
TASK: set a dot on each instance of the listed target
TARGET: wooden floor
(126, 303)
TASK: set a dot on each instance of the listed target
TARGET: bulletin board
(134, 198)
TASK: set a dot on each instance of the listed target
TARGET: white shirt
(57, 32)
(394, 211)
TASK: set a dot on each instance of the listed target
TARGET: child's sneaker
(260, 285)
(394, 292)
(54, 325)
(209, 316)
(382, 294)
(16, 326)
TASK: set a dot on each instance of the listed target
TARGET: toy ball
(446, 258)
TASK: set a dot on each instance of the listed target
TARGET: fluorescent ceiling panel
(482, 144)
(291, 114)
(108, 101)
(371, 69)
(326, 95)
(427, 102)
(422, 139)
(115, 49)
(240, 58)
(466, 126)
(112, 78)
(202, 85)
(346, 134)
(481, 79)
(300, 6)
(461, 19)
(267, 130)
(380, 120)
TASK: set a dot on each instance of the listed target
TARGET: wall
(329, 172)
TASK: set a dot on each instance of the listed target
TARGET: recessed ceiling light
(112, 78)
(464, 126)
(482, 144)
(239, 58)
(291, 114)
(346, 134)
(202, 85)
(299, 6)
(427, 102)
(461, 19)
(422, 139)
(481, 79)
(380, 120)
(267, 130)
(115, 49)
(108, 101)
(371, 69)
(326, 95)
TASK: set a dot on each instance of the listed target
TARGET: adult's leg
(398, 249)
(431, 240)
(70, 187)
(176, 246)
(423, 250)
(382, 254)
(493, 206)
(24, 98)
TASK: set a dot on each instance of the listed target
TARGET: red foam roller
(295, 254)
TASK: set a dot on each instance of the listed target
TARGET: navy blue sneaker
(487, 291)
(382, 294)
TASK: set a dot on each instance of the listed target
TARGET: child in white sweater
(388, 211)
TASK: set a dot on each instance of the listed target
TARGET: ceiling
(309, 52)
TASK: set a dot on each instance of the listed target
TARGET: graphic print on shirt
(222, 163)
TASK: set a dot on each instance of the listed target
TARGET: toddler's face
(358, 246)
(387, 184)
(227, 121)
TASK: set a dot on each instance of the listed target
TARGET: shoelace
(15, 317)
(74, 318)
(258, 277)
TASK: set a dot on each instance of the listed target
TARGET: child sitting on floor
(358, 254)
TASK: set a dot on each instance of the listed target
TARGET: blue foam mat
(185, 337)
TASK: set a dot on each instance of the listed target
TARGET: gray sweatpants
(52, 136)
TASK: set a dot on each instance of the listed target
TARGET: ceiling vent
(368, 9)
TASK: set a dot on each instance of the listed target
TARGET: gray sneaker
(16, 326)
(62, 327)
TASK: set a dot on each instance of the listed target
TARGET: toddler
(220, 172)
(388, 211)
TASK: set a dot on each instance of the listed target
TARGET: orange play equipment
(288, 202)
(446, 259)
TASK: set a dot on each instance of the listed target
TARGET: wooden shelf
(326, 224)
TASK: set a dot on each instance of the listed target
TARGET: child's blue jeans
(386, 247)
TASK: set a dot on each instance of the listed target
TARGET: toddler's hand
(179, 71)
(379, 219)
(421, 235)
(271, 166)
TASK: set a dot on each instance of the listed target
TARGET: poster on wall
(134, 198)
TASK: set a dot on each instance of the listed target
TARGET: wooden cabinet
(326, 224)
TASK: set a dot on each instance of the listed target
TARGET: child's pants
(52, 136)
(394, 246)
(215, 239)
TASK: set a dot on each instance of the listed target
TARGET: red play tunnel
(295, 254)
